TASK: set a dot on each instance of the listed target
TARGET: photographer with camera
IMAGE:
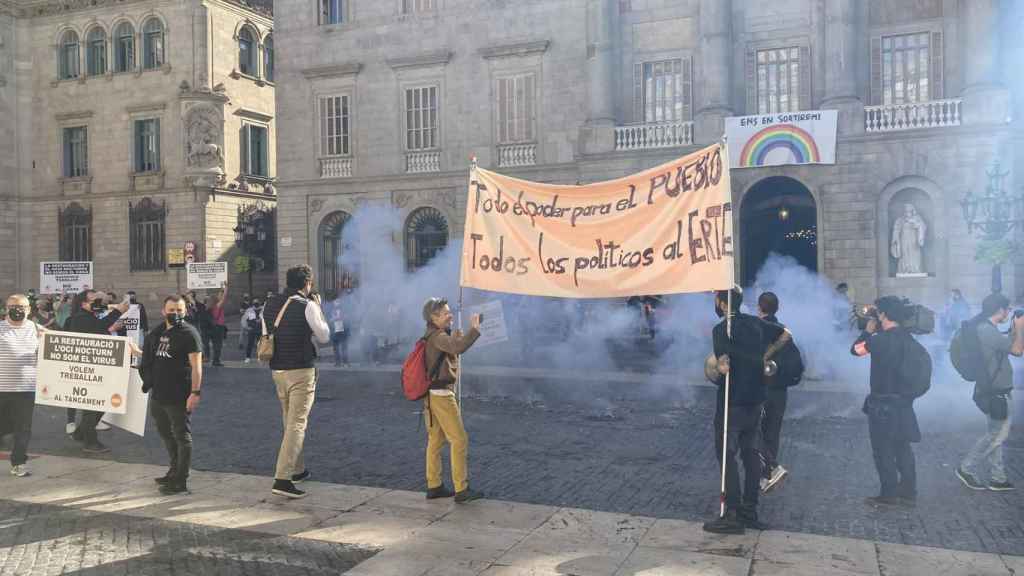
(295, 321)
(992, 390)
(900, 373)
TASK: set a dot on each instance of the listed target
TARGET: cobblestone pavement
(610, 448)
(43, 540)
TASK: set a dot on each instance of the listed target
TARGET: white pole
(725, 419)
(458, 378)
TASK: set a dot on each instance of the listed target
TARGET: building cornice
(157, 107)
(76, 115)
(439, 58)
(333, 71)
(518, 49)
(254, 114)
(54, 7)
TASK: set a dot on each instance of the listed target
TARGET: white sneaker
(778, 473)
(248, 360)
(70, 428)
(102, 426)
(21, 470)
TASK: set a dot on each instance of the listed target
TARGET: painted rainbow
(795, 139)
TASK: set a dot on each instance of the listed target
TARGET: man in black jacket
(172, 368)
(87, 307)
(293, 370)
(892, 424)
(741, 356)
(788, 368)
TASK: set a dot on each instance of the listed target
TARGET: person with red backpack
(440, 348)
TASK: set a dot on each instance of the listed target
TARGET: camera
(917, 318)
(861, 314)
(1018, 313)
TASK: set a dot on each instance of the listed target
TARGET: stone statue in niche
(907, 244)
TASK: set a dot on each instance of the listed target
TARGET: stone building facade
(386, 101)
(131, 127)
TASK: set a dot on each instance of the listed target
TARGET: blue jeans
(991, 446)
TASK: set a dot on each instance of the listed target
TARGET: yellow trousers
(444, 424)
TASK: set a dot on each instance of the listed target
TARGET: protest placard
(137, 405)
(85, 371)
(666, 230)
(492, 328)
(207, 275)
(64, 277)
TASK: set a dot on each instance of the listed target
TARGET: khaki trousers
(295, 390)
(444, 424)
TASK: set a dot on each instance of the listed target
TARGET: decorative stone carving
(401, 199)
(203, 133)
(448, 198)
(315, 205)
(908, 242)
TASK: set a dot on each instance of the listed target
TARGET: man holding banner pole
(739, 348)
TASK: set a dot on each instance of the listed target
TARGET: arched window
(75, 229)
(146, 225)
(268, 58)
(67, 55)
(246, 52)
(339, 259)
(152, 44)
(426, 234)
(124, 48)
(96, 52)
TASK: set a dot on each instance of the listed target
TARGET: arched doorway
(426, 234)
(339, 259)
(778, 216)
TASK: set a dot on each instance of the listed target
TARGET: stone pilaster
(598, 133)
(842, 29)
(715, 53)
(986, 101)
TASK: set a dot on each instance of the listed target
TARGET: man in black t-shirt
(741, 355)
(172, 368)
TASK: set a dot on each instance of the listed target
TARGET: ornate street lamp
(993, 215)
(251, 236)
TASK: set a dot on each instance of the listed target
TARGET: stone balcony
(423, 161)
(913, 116)
(653, 135)
(512, 155)
(336, 167)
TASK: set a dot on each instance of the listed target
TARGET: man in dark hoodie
(444, 418)
(87, 307)
(788, 369)
(741, 355)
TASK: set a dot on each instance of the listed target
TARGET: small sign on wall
(286, 241)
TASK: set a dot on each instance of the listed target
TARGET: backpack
(916, 369)
(791, 364)
(965, 351)
(415, 380)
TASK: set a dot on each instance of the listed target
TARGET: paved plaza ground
(632, 444)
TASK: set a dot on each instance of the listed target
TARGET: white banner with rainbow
(804, 137)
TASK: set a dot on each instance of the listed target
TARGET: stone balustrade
(336, 167)
(512, 155)
(913, 116)
(427, 161)
(654, 135)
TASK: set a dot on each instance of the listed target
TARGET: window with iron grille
(517, 100)
(421, 118)
(906, 61)
(76, 152)
(339, 254)
(663, 91)
(335, 125)
(414, 6)
(426, 234)
(75, 229)
(147, 145)
(147, 241)
(778, 80)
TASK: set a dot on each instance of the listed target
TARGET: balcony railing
(647, 136)
(428, 161)
(335, 167)
(931, 114)
(512, 155)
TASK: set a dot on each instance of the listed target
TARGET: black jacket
(750, 336)
(84, 322)
(890, 400)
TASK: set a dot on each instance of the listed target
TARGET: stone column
(715, 56)
(985, 100)
(598, 134)
(841, 51)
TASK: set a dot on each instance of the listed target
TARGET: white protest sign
(131, 320)
(137, 407)
(64, 277)
(492, 327)
(207, 275)
(805, 137)
(86, 371)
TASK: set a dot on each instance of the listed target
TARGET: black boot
(728, 524)
(467, 495)
(748, 517)
(174, 487)
(441, 491)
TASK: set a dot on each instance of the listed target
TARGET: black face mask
(175, 319)
(97, 306)
(16, 314)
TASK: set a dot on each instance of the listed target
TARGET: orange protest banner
(666, 230)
